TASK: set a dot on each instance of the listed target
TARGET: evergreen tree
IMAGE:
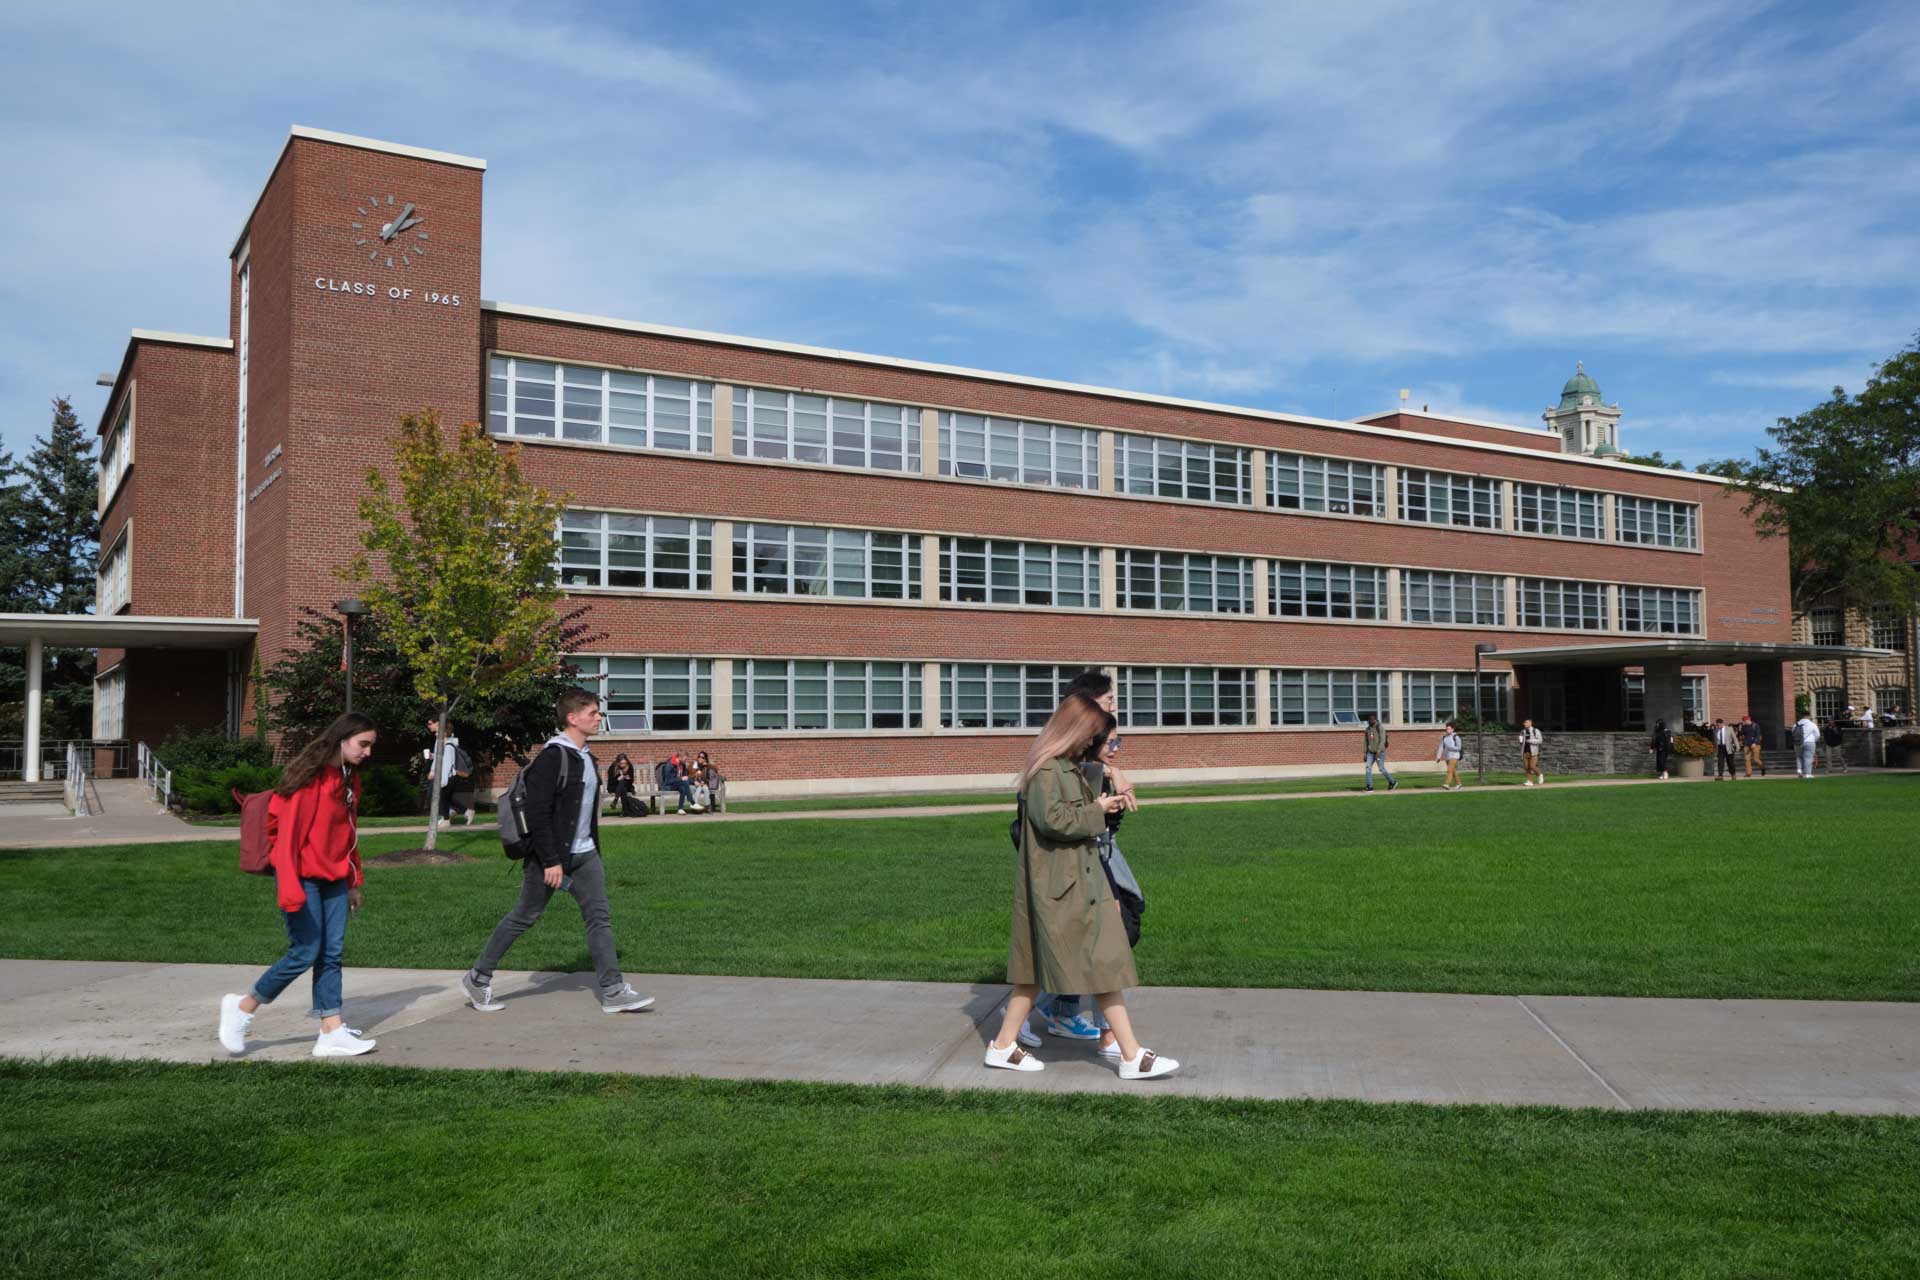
(16, 591)
(60, 528)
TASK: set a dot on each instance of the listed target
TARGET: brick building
(843, 571)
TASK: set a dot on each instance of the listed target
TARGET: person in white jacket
(1530, 741)
(1806, 740)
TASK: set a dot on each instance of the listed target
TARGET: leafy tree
(1842, 481)
(307, 684)
(458, 569)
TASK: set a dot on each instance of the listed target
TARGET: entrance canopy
(1567, 682)
(35, 631)
(125, 631)
(1705, 653)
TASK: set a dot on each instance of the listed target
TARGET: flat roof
(347, 140)
(1081, 388)
(138, 336)
(126, 631)
(1454, 417)
(1709, 652)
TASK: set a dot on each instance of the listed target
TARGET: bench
(647, 790)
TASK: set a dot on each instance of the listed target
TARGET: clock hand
(393, 228)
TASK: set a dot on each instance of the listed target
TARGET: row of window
(1830, 701)
(547, 400)
(676, 695)
(663, 553)
(116, 451)
(1887, 627)
(115, 587)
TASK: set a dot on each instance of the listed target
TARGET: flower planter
(1689, 767)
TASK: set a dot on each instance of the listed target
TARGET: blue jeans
(1379, 758)
(316, 939)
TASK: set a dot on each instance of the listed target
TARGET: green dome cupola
(1580, 390)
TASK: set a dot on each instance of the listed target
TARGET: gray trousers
(589, 889)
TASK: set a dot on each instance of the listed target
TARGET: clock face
(389, 231)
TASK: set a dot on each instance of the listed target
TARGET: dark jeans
(316, 939)
(589, 890)
(1722, 762)
(1659, 761)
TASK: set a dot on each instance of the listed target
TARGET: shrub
(1691, 744)
(211, 790)
(388, 792)
(188, 750)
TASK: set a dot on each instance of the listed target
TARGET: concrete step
(33, 792)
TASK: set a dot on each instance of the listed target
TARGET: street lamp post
(349, 610)
(1479, 716)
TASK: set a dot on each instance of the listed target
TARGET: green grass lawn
(1763, 889)
(261, 1172)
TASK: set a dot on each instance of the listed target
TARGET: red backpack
(256, 832)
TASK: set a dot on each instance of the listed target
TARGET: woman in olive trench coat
(1067, 934)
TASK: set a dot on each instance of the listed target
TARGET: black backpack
(515, 835)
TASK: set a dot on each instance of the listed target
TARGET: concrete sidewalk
(65, 833)
(1757, 1055)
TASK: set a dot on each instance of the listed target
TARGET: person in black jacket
(1662, 747)
(620, 783)
(563, 822)
(1835, 739)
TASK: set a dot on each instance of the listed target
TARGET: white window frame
(1887, 628)
(1421, 692)
(1437, 593)
(110, 705)
(1003, 695)
(1341, 590)
(1554, 604)
(614, 677)
(976, 446)
(1680, 603)
(1335, 486)
(113, 580)
(987, 571)
(1829, 701)
(1451, 498)
(1192, 470)
(1655, 522)
(586, 400)
(1558, 511)
(1183, 582)
(839, 675)
(772, 425)
(1185, 697)
(650, 531)
(849, 561)
(116, 451)
(1313, 696)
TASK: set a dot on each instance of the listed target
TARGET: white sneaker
(1147, 1065)
(625, 1000)
(1013, 1058)
(479, 994)
(1663, 777)
(469, 817)
(1111, 1052)
(1527, 783)
(1543, 779)
(234, 1022)
(341, 1042)
(444, 823)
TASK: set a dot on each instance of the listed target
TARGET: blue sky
(1284, 206)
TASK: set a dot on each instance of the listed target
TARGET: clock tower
(355, 299)
(1586, 424)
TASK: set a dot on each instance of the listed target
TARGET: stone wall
(1567, 753)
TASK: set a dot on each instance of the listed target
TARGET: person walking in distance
(455, 770)
(1725, 743)
(1835, 740)
(1067, 932)
(1530, 740)
(1373, 748)
(563, 822)
(1662, 747)
(1448, 752)
(316, 875)
(1806, 740)
(1750, 737)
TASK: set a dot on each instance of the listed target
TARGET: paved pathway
(1571, 1051)
(156, 828)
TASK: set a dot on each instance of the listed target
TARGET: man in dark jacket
(1750, 741)
(563, 822)
(1834, 738)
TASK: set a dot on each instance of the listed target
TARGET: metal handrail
(155, 775)
(77, 781)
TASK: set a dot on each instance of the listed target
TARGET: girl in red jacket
(316, 870)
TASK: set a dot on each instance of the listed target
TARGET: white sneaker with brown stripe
(1013, 1058)
(1147, 1065)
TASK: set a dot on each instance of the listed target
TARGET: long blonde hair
(1074, 724)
